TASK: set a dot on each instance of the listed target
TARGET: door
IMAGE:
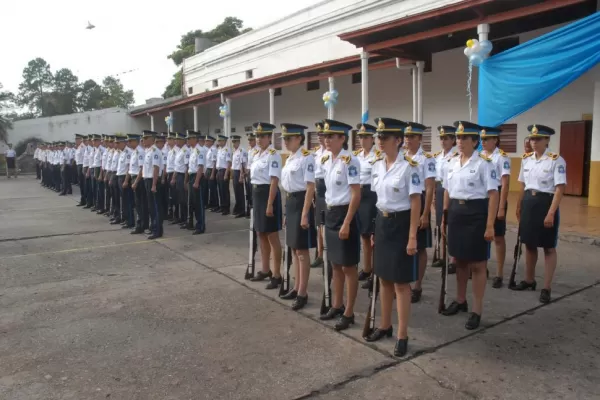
(573, 149)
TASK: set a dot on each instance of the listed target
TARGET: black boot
(473, 321)
(379, 334)
(455, 308)
(344, 323)
(332, 313)
(401, 347)
(524, 285)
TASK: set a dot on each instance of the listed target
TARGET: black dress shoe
(86, 207)
(274, 283)
(137, 231)
(154, 236)
(80, 204)
(545, 297)
(439, 263)
(497, 282)
(332, 313)
(379, 334)
(401, 347)
(175, 222)
(344, 323)
(473, 321)
(225, 213)
(415, 295)
(455, 308)
(299, 302)
(197, 232)
(261, 276)
(451, 269)
(115, 222)
(62, 194)
(147, 231)
(126, 227)
(240, 216)
(291, 295)
(368, 284)
(93, 209)
(524, 285)
(362, 275)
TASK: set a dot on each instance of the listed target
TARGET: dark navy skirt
(297, 237)
(341, 252)
(534, 207)
(260, 198)
(367, 210)
(467, 220)
(391, 262)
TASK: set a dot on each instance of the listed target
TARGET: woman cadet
(543, 177)
(266, 203)
(298, 181)
(398, 181)
(471, 201)
(491, 148)
(368, 198)
(320, 205)
(342, 180)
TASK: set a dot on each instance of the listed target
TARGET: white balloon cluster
(223, 111)
(477, 51)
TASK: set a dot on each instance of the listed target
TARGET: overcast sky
(129, 35)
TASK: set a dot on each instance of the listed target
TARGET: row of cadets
(542, 180)
(173, 203)
(298, 181)
(399, 183)
(471, 201)
(342, 180)
(195, 179)
(368, 199)
(320, 189)
(266, 204)
(135, 181)
(447, 135)
(239, 162)
(152, 172)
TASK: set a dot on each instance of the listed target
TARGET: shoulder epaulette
(525, 155)
(377, 153)
(427, 155)
(438, 153)
(553, 156)
(346, 159)
(272, 151)
(486, 158)
(379, 158)
(412, 162)
(316, 148)
(324, 159)
(356, 152)
(502, 153)
(255, 151)
(305, 152)
(197, 151)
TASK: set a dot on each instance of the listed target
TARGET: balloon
(334, 93)
(476, 59)
(333, 101)
(468, 51)
(328, 104)
(470, 43)
(485, 47)
(326, 96)
(476, 48)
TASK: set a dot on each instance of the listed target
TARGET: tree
(90, 96)
(37, 80)
(114, 95)
(228, 29)
(6, 99)
(66, 91)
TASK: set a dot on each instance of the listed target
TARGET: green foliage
(37, 82)
(114, 95)
(6, 99)
(22, 144)
(229, 28)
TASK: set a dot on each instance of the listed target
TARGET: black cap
(366, 130)
(262, 128)
(466, 128)
(446, 130)
(235, 137)
(540, 131)
(414, 128)
(288, 129)
(390, 126)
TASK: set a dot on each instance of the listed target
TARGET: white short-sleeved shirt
(69, 155)
(197, 159)
(318, 153)
(394, 186)
(182, 159)
(114, 164)
(239, 158)
(98, 154)
(366, 164)
(87, 156)
(471, 181)
(299, 170)
(211, 157)
(165, 152)
(79, 154)
(152, 158)
(123, 161)
(250, 155)
(137, 160)
(171, 159)
(426, 162)
(265, 165)
(339, 175)
(543, 174)
(107, 159)
(223, 157)
(11, 153)
(441, 162)
(501, 162)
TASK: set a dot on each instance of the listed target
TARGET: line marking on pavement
(33, 209)
(118, 245)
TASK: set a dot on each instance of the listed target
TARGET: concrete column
(331, 110)
(420, 71)
(170, 127)
(151, 121)
(594, 183)
(228, 117)
(272, 106)
(196, 118)
(364, 86)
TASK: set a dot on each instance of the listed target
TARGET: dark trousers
(56, 184)
(127, 202)
(173, 196)
(182, 196)
(213, 196)
(100, 194)
(167, 205)
(108, 202)
(66, 180)
(38, 170)
(74, 175)
(81, 180)
(224, 201)
(95, 178)
(198, 204)
(115, 194)
(204, 189)
(155, 206)
(141, 205)
(89, 187)
(238, 192)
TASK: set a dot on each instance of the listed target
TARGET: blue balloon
(476, 59)
(334, 94)
(485, 47)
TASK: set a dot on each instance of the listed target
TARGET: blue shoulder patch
(415, 179)
(352, 171)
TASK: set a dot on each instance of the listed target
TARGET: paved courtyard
(88, 311)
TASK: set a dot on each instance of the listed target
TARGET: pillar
(151, 122)
(228, 117)
(196, 118)
(420, 72)
(170, 127)
(272, 106)
(331, 110)
(594, 183)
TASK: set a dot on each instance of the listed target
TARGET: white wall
(64, 127)
(302, 39)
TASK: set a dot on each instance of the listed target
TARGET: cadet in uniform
(80, 144)
(246, 169)
(173, 211)
(398, 181)
(342, 180)
(471, 199)
(182, 160)
(195, 178)
(125, 189)
(298, 181)
(152, 172)
(223, 172)
(211, 174)
(320, 189)
(67, 178)
(266, 201)
(137, 184)
(106, 165)
(491, 148)
(413, 136)
(113, 182)
(543, 177)
(11, 161)
(237, 165)
(368, 198)
(88, 160)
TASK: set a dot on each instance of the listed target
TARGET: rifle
(443, 292)
(287, 263)
(436, 249)
(190, 216)
(369, 325)
(517, 256)
(326, 301)
(251, 249)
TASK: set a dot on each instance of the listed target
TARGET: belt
(538, 193)
(460, 201)
(365, 186)
(261, 185)
(394, 214)
(336, 207)
(295, 194)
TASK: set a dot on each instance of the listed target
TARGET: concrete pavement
(88, 311)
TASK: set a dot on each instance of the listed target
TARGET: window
(249, 74)
(313, 85)
(277, 140)
(426, 141)
(248, 129)
(277, 92)
(191, 90)
(356, 78)
(232, 130)
(355, 141)
(215, 83)
(217, 131)
(508, 138)
(313, 140)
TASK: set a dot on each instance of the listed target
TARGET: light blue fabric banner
(516, 80)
